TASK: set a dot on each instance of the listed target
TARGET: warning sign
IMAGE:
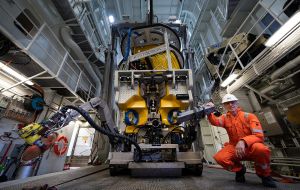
(84, 139)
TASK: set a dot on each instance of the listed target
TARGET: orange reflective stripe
(246, 115)
(244, 120)
(257, 131)
(221, 122)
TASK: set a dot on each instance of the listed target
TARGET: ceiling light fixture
(178, 21)
(284, 29)
(111, 19)
(14, 74)
(229, 79)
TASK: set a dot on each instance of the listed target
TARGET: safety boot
(268, 181)
(240, 175)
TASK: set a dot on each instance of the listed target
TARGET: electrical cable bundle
(101, 129)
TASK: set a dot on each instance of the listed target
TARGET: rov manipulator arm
(195, 114)
(38, 135)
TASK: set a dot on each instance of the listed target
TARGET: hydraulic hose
(128, 45)
(102, 130)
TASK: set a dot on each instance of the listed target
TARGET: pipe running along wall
(279, 72)
(288, 66)
(253, 101)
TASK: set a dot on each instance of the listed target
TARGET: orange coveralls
(243, 126)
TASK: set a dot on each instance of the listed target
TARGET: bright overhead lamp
(284, 29)
(178, 21)
(111, 19)
(229, 79)
(14, 74)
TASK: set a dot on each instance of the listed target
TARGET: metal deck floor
(212, 179)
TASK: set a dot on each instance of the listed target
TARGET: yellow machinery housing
(31, 133)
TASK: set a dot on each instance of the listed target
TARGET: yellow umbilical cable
(160, 62)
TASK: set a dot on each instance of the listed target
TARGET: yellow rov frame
(128, 95)
(151, 90)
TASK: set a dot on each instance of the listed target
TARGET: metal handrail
(40, 31)
(267, 27)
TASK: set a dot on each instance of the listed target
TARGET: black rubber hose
(166, 136)
(102, 130)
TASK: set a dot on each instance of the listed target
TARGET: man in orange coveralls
(246, 140)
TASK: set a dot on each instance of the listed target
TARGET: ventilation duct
(279, 72)
(268, 88)
(288, 66)
(253, 101)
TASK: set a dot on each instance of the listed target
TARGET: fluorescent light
(13, 73)
(284, 29)
(111, 19)
(227, 81)
(178, 21)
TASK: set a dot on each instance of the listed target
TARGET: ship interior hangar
(113, 94)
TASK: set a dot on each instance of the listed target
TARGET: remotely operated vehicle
(153, 91)
(159, 132)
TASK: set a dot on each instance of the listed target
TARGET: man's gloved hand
(215, 112)
(209, 104)
(240, 149)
